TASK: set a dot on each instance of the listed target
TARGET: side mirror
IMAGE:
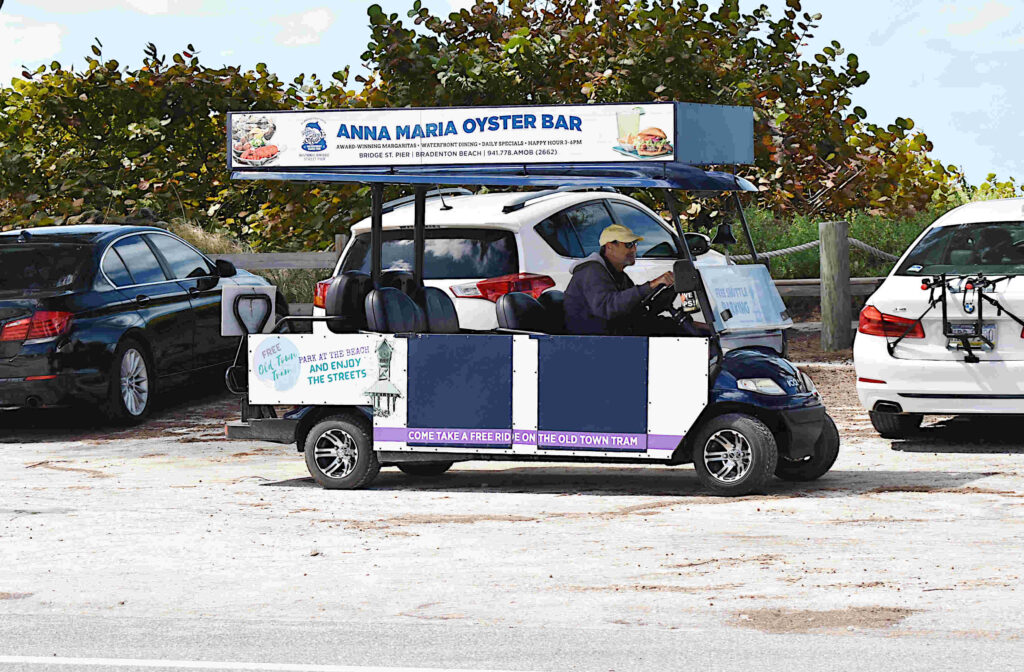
(225, 269)
(698, 243)
(207, 282)
(687, 279)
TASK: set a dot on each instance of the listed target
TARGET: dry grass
(295, 284)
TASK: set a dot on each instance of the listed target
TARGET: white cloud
(988, 14)
(28, 41)
(304, 28)
(150, 7)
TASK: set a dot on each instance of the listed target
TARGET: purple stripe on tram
(502, 437)
(585, 440)
(442, 436)
(663, 441)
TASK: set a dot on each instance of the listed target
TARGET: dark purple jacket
(601, 300)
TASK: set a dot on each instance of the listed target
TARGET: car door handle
(142, 299)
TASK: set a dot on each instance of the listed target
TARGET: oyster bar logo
(313, 137)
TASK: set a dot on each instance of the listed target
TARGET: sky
(951, 67)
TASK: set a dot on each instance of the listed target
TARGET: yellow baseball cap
(618, 233)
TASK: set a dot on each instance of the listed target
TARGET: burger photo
(652, 142)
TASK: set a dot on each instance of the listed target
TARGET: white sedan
(944, 334)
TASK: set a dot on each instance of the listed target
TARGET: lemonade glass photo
(628, 123)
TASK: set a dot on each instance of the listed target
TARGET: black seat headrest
(389, 311)
(554, 303)
(401, 280)
(522, 312)
(346, 296)
(440, 311)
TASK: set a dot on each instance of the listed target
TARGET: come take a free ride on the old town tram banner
(398, 382)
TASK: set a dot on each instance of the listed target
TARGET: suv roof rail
(434, 193)
(525, 199)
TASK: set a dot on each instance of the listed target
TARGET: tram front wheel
(734, 454)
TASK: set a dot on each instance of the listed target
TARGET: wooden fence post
(836, 312)
(340, 241)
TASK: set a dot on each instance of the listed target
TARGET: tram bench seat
(521, 312)
(391, 311)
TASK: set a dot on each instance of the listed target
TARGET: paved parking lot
(914, 542)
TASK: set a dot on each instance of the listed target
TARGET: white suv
(958, 364)
(476, 241)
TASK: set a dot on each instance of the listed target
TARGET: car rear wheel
(896, 425)
(816, 465)
(339, 453)
(734, 454)
(425, 469)
(130, 390)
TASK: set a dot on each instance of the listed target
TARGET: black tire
(757, 451)
(424, 469)
(896, 425)
(826, 450)
(131, 384)
(339, 453)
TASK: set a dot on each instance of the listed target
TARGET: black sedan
(107, 315)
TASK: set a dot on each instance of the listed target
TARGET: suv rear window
(43, 267)
(990, 247)
(451, 253)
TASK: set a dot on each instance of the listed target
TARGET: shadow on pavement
(652, 481)
(179, 408)
(993, 434)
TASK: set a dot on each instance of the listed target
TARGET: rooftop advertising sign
(366, 138)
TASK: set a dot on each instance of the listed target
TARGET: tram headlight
(760, 385)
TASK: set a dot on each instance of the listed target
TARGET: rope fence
(811, 245)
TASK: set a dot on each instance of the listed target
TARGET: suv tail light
(320, 293)
(873, 322)
(493, 288)
(44, 324)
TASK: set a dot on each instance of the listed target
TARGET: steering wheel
(659, 300)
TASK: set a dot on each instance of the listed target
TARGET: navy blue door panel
(593, 384)
(460, 382)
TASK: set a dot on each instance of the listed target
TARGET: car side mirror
(207, 282)
(687, 279)
(698, 243)
(225, 269)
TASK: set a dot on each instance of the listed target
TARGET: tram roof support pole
(376, 231)
(671, 205)
(746, 229)
(419, 235)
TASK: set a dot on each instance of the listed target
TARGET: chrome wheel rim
(134, 382)
(728, 456)
(335, 452)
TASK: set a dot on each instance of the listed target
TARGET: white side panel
(524, 391)
(677, 390)
(331, 369)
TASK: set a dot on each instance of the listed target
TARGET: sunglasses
(630, 245)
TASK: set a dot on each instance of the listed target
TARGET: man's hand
(665, 278)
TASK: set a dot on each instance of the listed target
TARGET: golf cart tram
(397, 382)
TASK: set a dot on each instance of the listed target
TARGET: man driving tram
(601, 299)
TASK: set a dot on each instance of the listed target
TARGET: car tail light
(320, 293)
(493, 288)
(44, 324)
(873, 322)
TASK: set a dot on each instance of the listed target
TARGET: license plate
(987, 330)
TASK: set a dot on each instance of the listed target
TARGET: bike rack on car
(940, 287)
